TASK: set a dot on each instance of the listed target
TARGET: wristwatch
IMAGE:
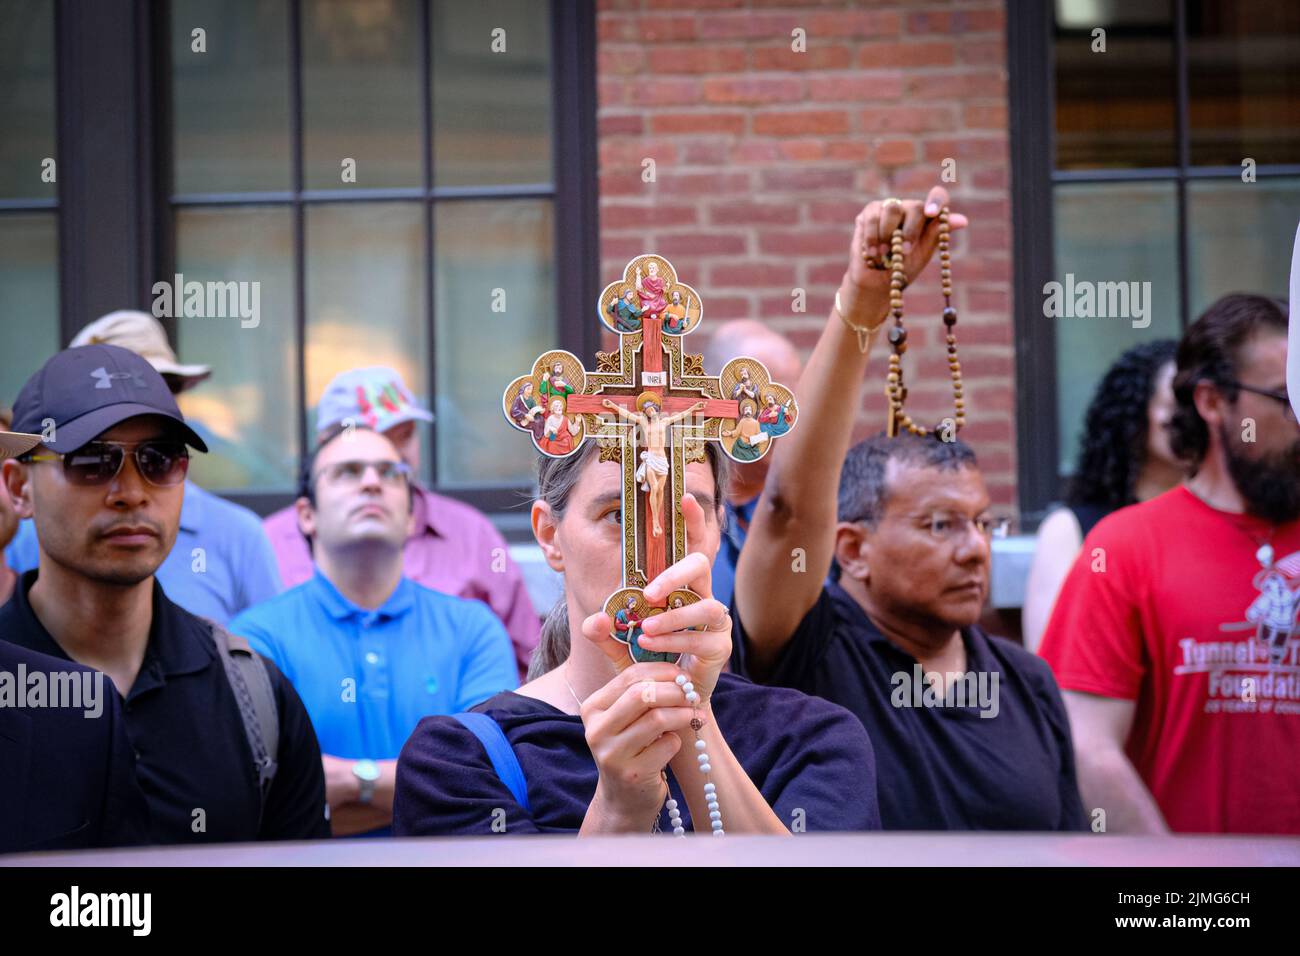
(367, 772)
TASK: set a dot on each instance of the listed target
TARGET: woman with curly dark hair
(1124, 457)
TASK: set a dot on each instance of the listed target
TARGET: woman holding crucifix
(597, 744)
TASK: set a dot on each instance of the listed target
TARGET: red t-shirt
(1169, 606)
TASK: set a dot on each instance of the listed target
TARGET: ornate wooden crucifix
(649, 405)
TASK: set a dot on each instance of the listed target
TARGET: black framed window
(29, 194)
(408, 184)
(1154, 142)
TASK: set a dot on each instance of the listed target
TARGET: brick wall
(763, 156)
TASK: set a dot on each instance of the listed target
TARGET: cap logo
(104, 378)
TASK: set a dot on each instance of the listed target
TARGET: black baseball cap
(89, 389)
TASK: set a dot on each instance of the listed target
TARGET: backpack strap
(499, 751)
(246, 672)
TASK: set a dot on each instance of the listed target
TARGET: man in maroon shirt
(1173, 637)
(453, 548)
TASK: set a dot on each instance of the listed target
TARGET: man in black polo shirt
(105, 490)
(969, 730)
(67, 780)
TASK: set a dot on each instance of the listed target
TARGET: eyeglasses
(1282, 397)
(950, 526)
(161, 462)
(351, 472)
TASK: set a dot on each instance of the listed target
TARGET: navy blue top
(941, 768)
(191, 750)
(811, 760)
(67, 778)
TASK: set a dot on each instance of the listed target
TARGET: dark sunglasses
(161, 462)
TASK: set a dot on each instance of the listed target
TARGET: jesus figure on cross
(653, 472)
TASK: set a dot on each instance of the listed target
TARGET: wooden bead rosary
(895, 390)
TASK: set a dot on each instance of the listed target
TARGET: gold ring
(892, 201)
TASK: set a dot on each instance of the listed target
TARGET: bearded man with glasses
(370, 651)
(104, 489)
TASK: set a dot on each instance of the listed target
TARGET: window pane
(1115, 108)
(491, 111)
(483, 247)
(27, 111)
(29, 297)
(248, 410)
(1239, 237)
(1244, 79)
(230, 104)
(361, 93)
(366, 295)
(1113, 234)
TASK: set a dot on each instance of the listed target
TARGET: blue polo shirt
(368, 677)
(221, 563)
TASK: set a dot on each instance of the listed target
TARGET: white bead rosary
(710, 791)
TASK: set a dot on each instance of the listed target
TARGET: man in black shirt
(67, 780)
(969, 731)
(104, 489)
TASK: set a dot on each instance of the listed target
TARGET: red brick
(802, 150)
(967, 148)
(724, 307)
(997, 178)
(734, 26)
(829, 274)
(698, 59)
(706, 152)
(895, 152)
(703, 184)
(621, 248)
(611, 58)
(985, 116)
(620, 216)
(968, 84)
(625, 152)
(692, 4)
(806, 178)
(987, 432)
(801, 123)
(696, 242)
(987, 19)
(930, 21)
(906, 119)
(661, 28)
(868, 24)
(839, 212)
(621, 184)
(611, 28)
(997, 301)
(984, 333)
(907, 55)
(610, 91)
(755, 151)
(851, 150)
(752, 275)
(747, 212)
(861, 86)
(615, 125)
(985, 52)
(753, 90)
(697, 122)
(800, 242)
(817, 56)
(665, 91)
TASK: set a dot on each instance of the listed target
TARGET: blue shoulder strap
(499, 751)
